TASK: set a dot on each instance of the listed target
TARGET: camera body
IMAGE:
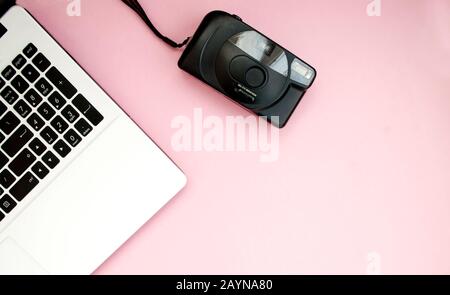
(248, 67)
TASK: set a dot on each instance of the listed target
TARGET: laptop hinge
(5, 5)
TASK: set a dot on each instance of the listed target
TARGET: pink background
(364, 162)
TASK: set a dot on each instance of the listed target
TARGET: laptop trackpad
(15, 261)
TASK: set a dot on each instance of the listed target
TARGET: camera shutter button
(255, 77)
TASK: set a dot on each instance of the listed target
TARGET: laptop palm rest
(62, 229)
(16, 261)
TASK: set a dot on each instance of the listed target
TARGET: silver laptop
(77, 176)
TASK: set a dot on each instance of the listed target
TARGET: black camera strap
(134, 4)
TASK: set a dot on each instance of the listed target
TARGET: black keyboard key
(83, 127)
(22, 162)
(7, 204)
(36, 122)
(20, 84)
(49, 135)
(6, 178)
(24, 186)
(9, 95)
(40, 170)
(3, 160)
(3, 109)
(30, 50)
(41, 62)
(46, 111)
(22, 108)
(30, 73)
(2, 216)
(62, 148)
(19, 61)
(57, 100)
(72, 138)
(69, 113)
(17, 140)
(63, 85)
(2, 83)
(37, 146)
(87, 110)
(8, 72)
(43, 87)
(2, 137)
(50, 160)
(33, 97)
(59, 124)
(8, 123)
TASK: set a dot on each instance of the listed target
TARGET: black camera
(248, 67)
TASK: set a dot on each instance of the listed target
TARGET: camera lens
(255, 77)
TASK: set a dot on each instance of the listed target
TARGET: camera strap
(134, 4)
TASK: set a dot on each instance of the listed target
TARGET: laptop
(77, 176)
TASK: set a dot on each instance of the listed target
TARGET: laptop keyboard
(43, 118)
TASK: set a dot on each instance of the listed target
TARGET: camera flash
(302, 70)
